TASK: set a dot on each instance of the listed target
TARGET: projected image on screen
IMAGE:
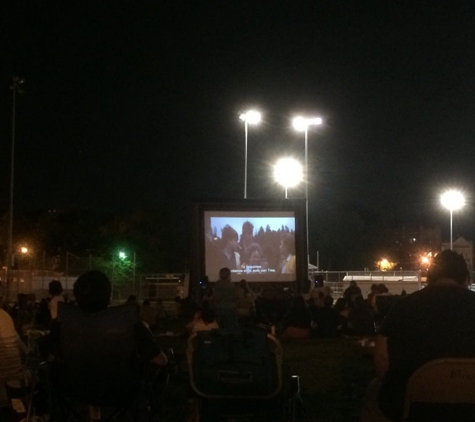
(257, 246)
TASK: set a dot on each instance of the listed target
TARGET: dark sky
(136, 104)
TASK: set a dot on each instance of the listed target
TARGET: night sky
(136, 104)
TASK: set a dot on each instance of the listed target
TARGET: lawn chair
(98, 369)
(236, 376)
(441, 390)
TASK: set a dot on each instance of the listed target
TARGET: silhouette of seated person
(326, 320)
(361, 319)
(351, 292)
(102, 356)
(149, 314)
(343, 309)
(203, 320)
(245, 306)
(298, 319)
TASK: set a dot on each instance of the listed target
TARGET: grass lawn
(334, 374)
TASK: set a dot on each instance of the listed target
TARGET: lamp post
(250, 117)
(452, 200)
(288, 173)
(302, 124)
(15, 87)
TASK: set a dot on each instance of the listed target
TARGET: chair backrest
(98, 354)
(235, 364)
(449, 381)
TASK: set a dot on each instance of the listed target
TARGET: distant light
(288, 172)
(302, 123)
(452, 200)
(122, 255)
(24, 250)
(252, 117)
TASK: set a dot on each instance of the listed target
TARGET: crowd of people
(405, 337)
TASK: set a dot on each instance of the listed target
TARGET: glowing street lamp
(302, 124)
(426, 260)
(288, 173)
(122, 255)
(452, 200)
(250, 117)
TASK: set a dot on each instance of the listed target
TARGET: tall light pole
(452, 200)
(288, 172)
(15, 86)
(302, 124)
(250, 117)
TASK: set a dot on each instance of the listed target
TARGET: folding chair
(237, 376)
(98, 369)
(441, 390)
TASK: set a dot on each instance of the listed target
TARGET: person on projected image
(255, 262)
(247, 237)
(287, 253)
(229, 255)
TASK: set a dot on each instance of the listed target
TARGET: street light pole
(302, 124)
(245, 159)
(451, 230)
(306, 186)
(249, 117)
(452, 200)
(15, 87)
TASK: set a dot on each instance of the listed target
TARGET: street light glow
(301, 123)
(452, 200)
(288, 172)
(252, 117)
(24, 250)
(122, 255)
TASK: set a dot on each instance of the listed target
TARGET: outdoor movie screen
(255, 245)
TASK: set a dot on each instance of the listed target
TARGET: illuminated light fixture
(122, 255)
(24, 250)
(250, 117)
(453, 200)
(288, 172)
(301, 123)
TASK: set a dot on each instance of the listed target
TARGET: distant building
(463, 247)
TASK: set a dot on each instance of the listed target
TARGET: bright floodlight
(252, 117)
(288, 172)
(452, 200)
(122, 255)
(302, 123)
